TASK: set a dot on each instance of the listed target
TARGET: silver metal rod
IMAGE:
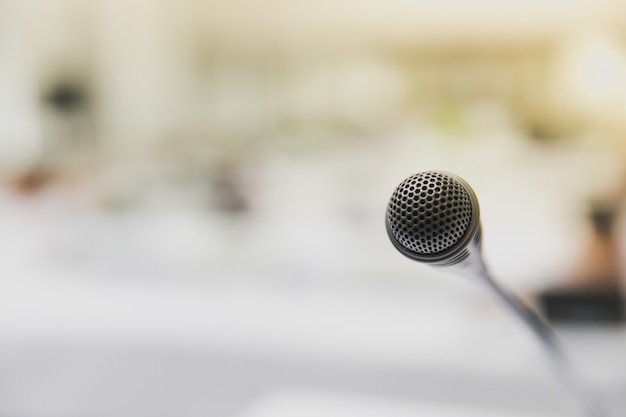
(562, 366)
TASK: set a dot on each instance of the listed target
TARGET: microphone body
(433, 217)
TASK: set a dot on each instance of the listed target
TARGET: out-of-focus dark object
(67, 114)
(582, 306)
(229, 188)
(66, 96)
(592, 293)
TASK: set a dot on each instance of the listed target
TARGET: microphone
(433, 217)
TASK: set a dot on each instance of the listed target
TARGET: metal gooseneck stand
(557, 358)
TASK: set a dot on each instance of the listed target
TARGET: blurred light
(592, 69)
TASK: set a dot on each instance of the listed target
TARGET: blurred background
(192, 200)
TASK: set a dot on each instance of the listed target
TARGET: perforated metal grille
(429, 212)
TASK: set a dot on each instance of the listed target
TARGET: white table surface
(95, 348)
(306, 403)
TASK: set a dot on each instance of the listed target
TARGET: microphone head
(433, 217)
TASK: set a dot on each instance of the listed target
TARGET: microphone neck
(468, 263)
(474, 267)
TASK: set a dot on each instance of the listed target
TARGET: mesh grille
(429, 212)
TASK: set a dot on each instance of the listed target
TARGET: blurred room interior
(192, 197)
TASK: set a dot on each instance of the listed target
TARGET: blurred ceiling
(406, 22)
